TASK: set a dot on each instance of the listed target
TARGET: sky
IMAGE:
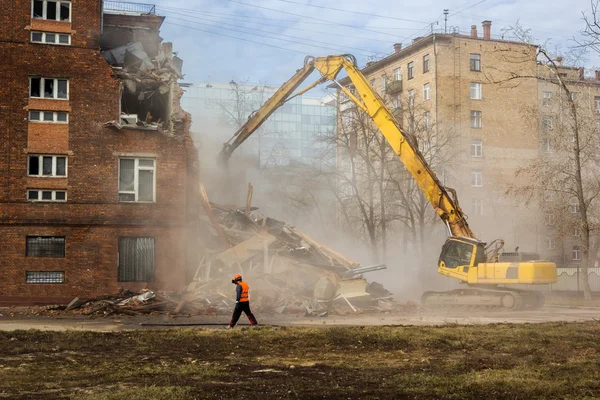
(266, 41)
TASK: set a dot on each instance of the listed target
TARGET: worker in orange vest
(242, 302)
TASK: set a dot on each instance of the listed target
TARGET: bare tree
(563, 179)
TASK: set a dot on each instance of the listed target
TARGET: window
(136, 259)
(397, 74)
(397, 102)
(48, 116)
(44, 277)
(574, 206)
(372, 83)
(383, 83)
(475, 119)
(47, 165)
(597, 103)
(136, 179)
(547, 122)
(51, 38)
(547, 100)
(426, 92)
(411, 70)
(52, 10)
(574, 95)
(546, 146)
(550, 243)
(577, 231)
(476, 148)
(411, 98)
(597, 126)
(48, 88)
(475, 62)
(426, 63)
(549, 219)
(476, 179)
(476, 91)
(46, 246)
(576, 253)
(477, 207)
(426, 120)
(46, 195)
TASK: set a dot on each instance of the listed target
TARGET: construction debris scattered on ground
(288, 271)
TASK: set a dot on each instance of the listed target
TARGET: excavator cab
(459, 255)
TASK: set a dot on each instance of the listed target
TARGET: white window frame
(411, 70)
(54, 117)
(477, 206)
(547, 122)
(45, 10)
(55, 89)
(40, 199)
(476, 119)
(426, 91)
(597, 103)
(398, 74)
(426, 120)
(476, 148)
(547, 99)
(136, 182)
(476, 91)
(372, 82)
(411, 98)
(574, 206)
(577, 231)
(549, 219)
(550, 245)
(383, 83)
(476, 178)
(576, 253)
(41, 165)
(475, 62)
(45, 41)
(426, 63)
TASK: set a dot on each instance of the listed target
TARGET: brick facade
(92, 219)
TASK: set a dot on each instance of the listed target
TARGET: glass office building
(294, 133)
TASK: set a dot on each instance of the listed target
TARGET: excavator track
(473, 298)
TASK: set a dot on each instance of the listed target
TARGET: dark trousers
(237, 313)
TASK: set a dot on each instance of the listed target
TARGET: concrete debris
(288, 271)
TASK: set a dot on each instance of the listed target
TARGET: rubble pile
(289, 272)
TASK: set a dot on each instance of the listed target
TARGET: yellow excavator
(463, 256)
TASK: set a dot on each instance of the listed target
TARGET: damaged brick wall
(92, 219)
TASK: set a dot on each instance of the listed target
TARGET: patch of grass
(503, 361)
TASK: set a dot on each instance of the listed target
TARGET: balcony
(127, 8)
(394, 87)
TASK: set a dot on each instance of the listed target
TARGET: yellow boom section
(370, 102)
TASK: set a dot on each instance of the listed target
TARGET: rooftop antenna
(446, 20)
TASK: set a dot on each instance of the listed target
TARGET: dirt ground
(22, 318)
(493, 361)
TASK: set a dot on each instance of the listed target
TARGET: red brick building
(98, 171)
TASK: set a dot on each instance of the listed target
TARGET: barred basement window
(51, 38)
(59, 117)
(136, 259)
(44, 277)
(46, 195)
(46, 246)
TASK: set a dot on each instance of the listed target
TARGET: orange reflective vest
(244, 293)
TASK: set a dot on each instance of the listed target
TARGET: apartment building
(561, 233)
(463, 87)
(98, 171)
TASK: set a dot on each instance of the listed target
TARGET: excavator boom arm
(371, 103)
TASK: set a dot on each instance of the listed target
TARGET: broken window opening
(151, 105)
